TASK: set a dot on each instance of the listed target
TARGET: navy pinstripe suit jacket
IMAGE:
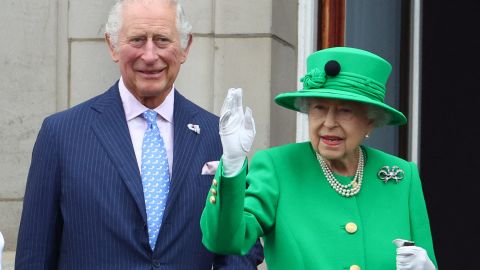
(84, 205)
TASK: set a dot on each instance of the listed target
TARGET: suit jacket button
(355, 267)
(213, 200)
(213, 191)
(351, 227)
(214, 182)
(156, 263)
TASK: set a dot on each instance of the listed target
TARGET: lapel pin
(194, 128)
(394, 173)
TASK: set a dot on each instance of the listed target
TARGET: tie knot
(150, 116)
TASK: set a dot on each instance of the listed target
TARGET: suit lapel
(185, 144)
(112, 131)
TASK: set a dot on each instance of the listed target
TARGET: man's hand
(237, 131)
(410, 257)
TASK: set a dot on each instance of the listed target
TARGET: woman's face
(337, 128)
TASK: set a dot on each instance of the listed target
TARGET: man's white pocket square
(210, 168)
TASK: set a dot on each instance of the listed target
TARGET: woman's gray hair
(114, 22)
(379, 116)
(302, 104)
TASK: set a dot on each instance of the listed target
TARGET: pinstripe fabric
(84, 206)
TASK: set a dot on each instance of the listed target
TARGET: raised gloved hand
(2, 243)
(237, 131)
(410, 257)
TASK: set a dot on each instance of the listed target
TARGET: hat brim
(288, 100)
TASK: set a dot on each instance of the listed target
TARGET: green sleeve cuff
(223, 212)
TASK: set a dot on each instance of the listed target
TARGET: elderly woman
(330, 203)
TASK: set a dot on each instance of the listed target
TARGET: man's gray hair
(114, 22)
(378, 115)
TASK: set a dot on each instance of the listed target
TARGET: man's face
(148, 50)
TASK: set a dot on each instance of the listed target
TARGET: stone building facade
(53, 56)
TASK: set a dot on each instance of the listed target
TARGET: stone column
(28, 94)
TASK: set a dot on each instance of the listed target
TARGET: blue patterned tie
(155, 176)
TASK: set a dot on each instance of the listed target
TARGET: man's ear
(111, 48)
(186, 49)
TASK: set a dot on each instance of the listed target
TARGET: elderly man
(119, 182)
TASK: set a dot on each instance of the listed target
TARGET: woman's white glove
(412, 257)
(2, 243)
(237, 131)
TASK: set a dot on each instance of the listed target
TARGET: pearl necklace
(350, 189)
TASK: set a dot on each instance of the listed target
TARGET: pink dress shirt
(137, 124)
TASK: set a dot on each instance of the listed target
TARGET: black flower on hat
(332, 68)
(314, 79)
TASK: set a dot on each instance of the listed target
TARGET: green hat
(348, 74)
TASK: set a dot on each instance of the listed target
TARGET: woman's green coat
(302, 220)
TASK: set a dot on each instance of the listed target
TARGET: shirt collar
(134, 108)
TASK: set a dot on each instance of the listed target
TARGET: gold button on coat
(214, 182)
(213, 200)
(355, 267)
(351, 228)
(213, 191)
